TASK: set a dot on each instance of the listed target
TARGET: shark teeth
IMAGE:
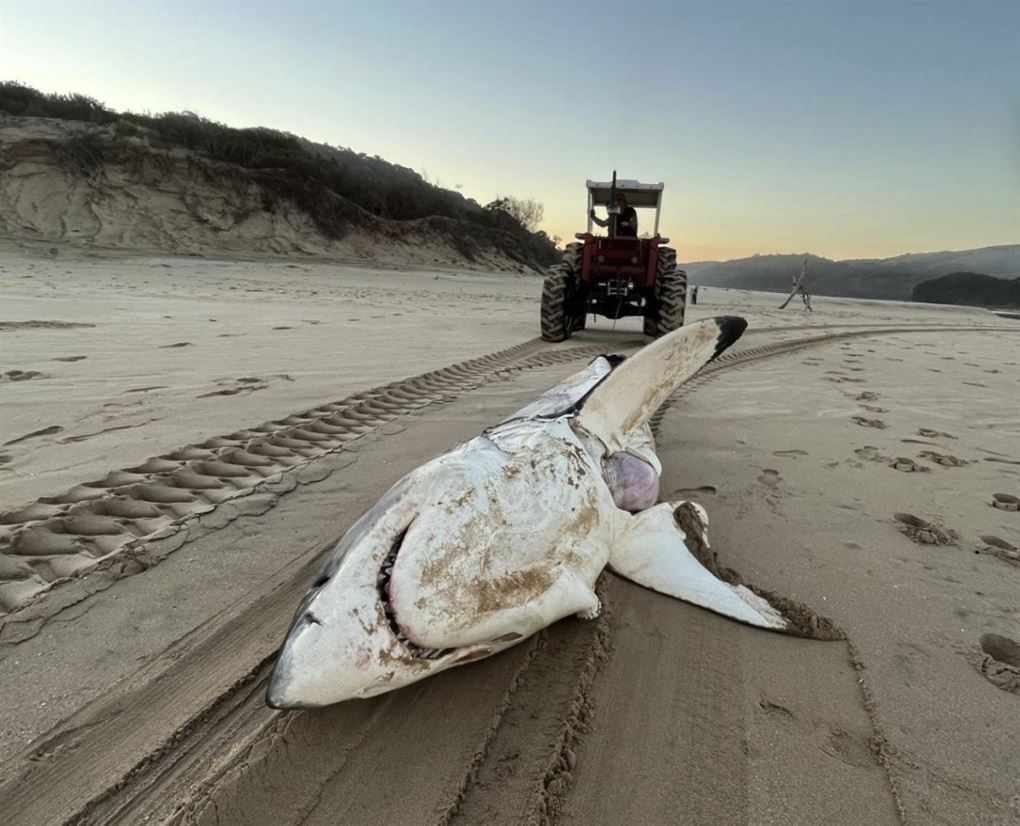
(382, 582)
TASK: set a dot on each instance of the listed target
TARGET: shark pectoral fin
(653, 552)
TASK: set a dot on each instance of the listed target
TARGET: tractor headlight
(633, 260)
(602, 259)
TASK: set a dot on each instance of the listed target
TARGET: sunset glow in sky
(844, 129)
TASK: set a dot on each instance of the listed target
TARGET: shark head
(345, 640)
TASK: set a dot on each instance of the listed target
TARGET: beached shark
(485, 545)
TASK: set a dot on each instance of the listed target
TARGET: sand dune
(170, 482)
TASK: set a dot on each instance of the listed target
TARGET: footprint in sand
(924, 532)
(944, 459)
(775, 710)
(864, 422)
(975, 384)
(770, 477)
(867, 396)
(46, 431)
(908, 465)
(283, 328)
(172, 346)
(1000, 662)
(870, 453)
(873, 409)
(42, 325)
(928, 433)
(231, 387)
(20, 375)
(70, 358)
(1000, 549)
(789, 453)
(680, 493)
(1005, 502)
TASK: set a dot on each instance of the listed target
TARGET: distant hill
(970, 288)
(889, 278)
(73, 170)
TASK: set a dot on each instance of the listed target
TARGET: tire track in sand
(60, 537)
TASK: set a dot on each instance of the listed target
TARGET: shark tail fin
(626, 398)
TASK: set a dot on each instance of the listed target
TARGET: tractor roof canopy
(637, 194)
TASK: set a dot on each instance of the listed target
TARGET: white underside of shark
(485, 545)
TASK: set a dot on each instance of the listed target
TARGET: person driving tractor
(626, 221)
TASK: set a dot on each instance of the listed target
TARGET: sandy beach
(183, 438)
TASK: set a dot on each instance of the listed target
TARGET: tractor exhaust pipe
(613, 208)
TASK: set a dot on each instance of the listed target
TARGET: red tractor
(615, 275)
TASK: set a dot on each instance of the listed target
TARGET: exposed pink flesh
(633, 482)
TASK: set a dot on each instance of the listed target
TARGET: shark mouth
(383, 586)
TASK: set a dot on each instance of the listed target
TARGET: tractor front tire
(557, 291)
(555, 324)
(670, 296)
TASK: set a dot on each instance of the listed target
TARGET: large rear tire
(670, 296)
(554, 300)
(557, 291)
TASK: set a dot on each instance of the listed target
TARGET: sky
(850, 129)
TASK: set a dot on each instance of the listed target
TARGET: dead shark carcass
(486, 545)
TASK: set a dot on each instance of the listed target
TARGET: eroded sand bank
(138, 693)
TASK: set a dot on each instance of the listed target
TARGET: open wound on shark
(487, 544)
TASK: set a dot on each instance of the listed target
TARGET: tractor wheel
(670, 295)
(557, 290)
(555, 324)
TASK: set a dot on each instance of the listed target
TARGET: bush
(310, 174)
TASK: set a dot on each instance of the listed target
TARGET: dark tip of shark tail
(731, 327)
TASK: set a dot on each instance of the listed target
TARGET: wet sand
(133, 689)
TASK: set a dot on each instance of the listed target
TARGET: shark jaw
(347, 640)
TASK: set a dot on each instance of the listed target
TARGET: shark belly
(515, 546)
